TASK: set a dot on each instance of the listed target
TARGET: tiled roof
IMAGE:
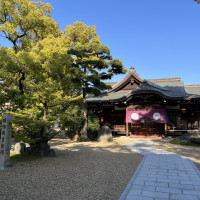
(157, 81)
(107, 96)
(164, 80)
(192, 90)
(110, 83)
(172, 88)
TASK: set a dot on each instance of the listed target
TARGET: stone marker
(105, 134)
(5, 142)
(20, 148)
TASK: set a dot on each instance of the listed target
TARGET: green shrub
(93, 125)
(189, 142)
(182, 142)
(195, 140)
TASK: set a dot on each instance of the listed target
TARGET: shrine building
(141, 107)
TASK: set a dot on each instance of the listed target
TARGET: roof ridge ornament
(132, 70)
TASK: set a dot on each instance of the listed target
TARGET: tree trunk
(45, 110)
(42, 132)
(44, 118)
(85, 125)
(85, 113)
(21, 78)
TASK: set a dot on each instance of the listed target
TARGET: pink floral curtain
(157, 115)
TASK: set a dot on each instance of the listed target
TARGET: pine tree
(92, 62)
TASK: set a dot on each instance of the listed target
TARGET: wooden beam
(165, 129)
(126, 129)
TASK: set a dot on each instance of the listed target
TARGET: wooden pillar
(126, 129)
(165, 129)
(101, 120)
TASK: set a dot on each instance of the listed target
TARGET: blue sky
(161, 39)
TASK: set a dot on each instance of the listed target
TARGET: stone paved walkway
(161, 175)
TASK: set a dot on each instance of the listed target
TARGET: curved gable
(130, 82)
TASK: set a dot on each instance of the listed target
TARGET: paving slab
(161, 175)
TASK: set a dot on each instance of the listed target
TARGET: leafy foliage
(47, 73)
(91, 62)
(32, 130)
(93, 125)
(189, 142)
(48, 91)
(24, 22)
(36, 71)
(195, 140)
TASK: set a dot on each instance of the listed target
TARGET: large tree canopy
(48, 93)
(48, 87)
(92, 62)
(48, 73)
(23, 22)
(36, 71)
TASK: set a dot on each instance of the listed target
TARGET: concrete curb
(195, 167)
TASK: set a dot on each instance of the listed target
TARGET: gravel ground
(85, 171)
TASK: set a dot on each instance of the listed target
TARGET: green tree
(92, 62)
(47, 90)
(36, 71)
(23, 23)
